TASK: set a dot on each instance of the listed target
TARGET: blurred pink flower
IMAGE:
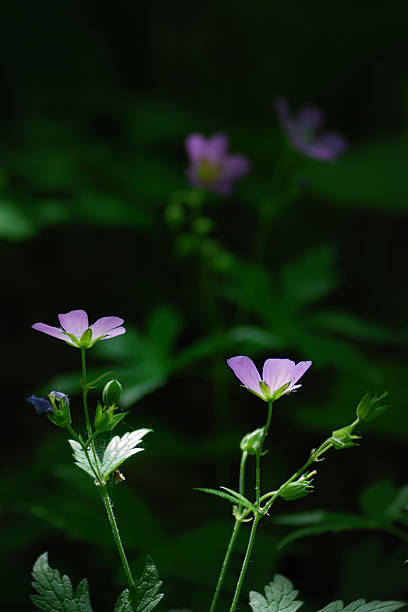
(302, 131)
(211, 167)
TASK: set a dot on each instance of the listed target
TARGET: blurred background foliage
(95, 213)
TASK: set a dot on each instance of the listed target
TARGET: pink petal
(196, 147)
(235, 167)
(51, 331)
(298, 372)
(216, 148)
(104, 325)
(309, 118)
(115, 332)
(74, 322)
(277, 372)
(245, 370)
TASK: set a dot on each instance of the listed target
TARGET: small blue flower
(41, 405)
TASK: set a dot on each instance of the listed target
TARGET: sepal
(298, 488)
(106, 419)
(344, 438)
(371, 406)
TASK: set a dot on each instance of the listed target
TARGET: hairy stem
(259, 454)
(246, 562)
(85, 390)
(225, 564)
(116, 535)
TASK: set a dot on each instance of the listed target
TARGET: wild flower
(302, 131)
(279, 376)
(211, 166)
(76, 331)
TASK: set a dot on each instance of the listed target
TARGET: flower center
(208, 172)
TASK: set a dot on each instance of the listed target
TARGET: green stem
(94, 382)
(116, 536)
(84, 447)
(322, 449)
(259, 454)
(225, 564)
(85, 390)
(246, 562)
(242, 472)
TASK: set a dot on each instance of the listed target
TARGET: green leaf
(360, 605)
(279, 597)
(55, 592)
(145, 594)
(244, 501)
(124, 603)
(118, 450)
(232, 498)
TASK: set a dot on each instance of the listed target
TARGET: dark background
(96, 102)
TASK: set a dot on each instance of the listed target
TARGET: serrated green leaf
(360, 605)
(55, 592)
(279, 597)
(145, 594)
(334, 606)
(118, 450)
(123, 603)
(230, 498)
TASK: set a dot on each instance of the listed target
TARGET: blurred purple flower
(211, 167)
(279, 376)
(77, 331)
(302, 131)
(41, 405)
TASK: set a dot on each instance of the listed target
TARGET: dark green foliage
(145, 594)
(55, 592)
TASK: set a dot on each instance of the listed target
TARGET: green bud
(251, 442)
(371, 406)
(61, 415)
(343, 438)
(86, 339)
(111, 392)
(106, 419)
(298, 488)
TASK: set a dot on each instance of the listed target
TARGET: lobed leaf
(360, 605)
(118, 450)
(280, 596)
(55, 592)
(145, 594)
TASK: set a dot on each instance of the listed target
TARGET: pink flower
(211, 167)
(279, 376)
(302, 131)
(76, 331)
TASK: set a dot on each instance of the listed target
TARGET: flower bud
(298, 488)
(61, 415)
(371, 406)
(111, 393)
(106, 419)
(343, 438)
(251, 442)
